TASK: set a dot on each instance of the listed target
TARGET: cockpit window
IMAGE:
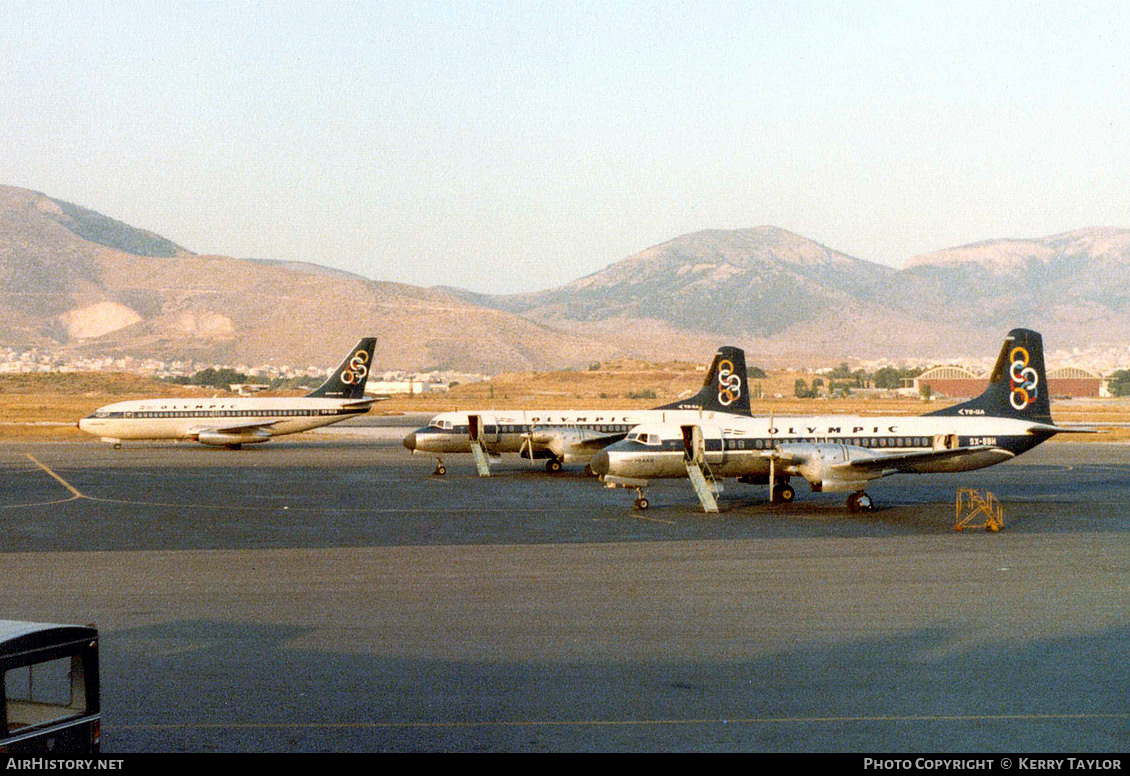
(644, 438)
(445, 424)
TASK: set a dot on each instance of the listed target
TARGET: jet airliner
(233, 422)
(574, 436)
(845, 453)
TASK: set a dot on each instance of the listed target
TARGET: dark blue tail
(348, 380)
(726, 388)
(1018, 386)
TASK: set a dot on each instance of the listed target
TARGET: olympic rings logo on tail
(357, 369)
(729, 383)
(1025, 381)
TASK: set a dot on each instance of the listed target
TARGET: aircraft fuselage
(737, 447)
(186, 418)
(515, 431)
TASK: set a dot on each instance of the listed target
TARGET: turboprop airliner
(845, 453)
(233, 422)
(574, 436)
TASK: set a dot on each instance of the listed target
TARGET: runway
(326, 593)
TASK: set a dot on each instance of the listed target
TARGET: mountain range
(81, 283)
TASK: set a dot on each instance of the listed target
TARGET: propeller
(772, 458)
(527, 444)
(527, 439)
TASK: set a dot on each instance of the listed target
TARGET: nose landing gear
(641, 500)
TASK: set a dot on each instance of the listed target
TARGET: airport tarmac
(325, 592)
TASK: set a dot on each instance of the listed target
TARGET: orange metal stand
(972, 505)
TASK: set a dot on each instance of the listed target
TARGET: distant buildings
(949, 381)
(392, 382)
(960, 382)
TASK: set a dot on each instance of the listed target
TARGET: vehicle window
(44, 692)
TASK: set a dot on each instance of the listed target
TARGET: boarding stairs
(706, 487)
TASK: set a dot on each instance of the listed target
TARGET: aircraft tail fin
(348, 380)
(725, 388)
(1018, 386)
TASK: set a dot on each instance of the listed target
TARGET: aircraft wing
(235, 426)
(914, 461)
(867, 463)
(567, 442)
(930, 460)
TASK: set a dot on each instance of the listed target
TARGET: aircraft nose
(599, 464)
(410, 441)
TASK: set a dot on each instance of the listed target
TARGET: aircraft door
(480, 431)
(692, 443)
(945, 442)
(703, 443)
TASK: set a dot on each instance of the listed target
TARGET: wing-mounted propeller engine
(828, 467)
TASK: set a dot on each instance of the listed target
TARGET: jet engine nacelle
(826, 465)
(219, 439)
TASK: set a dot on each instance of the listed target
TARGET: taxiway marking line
(627, 722)
(653, 519)
(77, 494)
(74, 491)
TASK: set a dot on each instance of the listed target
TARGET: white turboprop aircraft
(845, 453)
(574, 436)
(233, 422)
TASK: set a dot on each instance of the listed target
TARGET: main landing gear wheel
(783, 493)
(553, 465)
(859, 502)
(440, 469)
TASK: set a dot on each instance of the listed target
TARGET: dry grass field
(48, 406)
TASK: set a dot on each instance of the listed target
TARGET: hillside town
(37, 361)
(1076, 374)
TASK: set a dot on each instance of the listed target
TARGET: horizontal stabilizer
(1049, 428)
(368, 401)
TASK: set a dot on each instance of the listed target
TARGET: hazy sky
(512, 146)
